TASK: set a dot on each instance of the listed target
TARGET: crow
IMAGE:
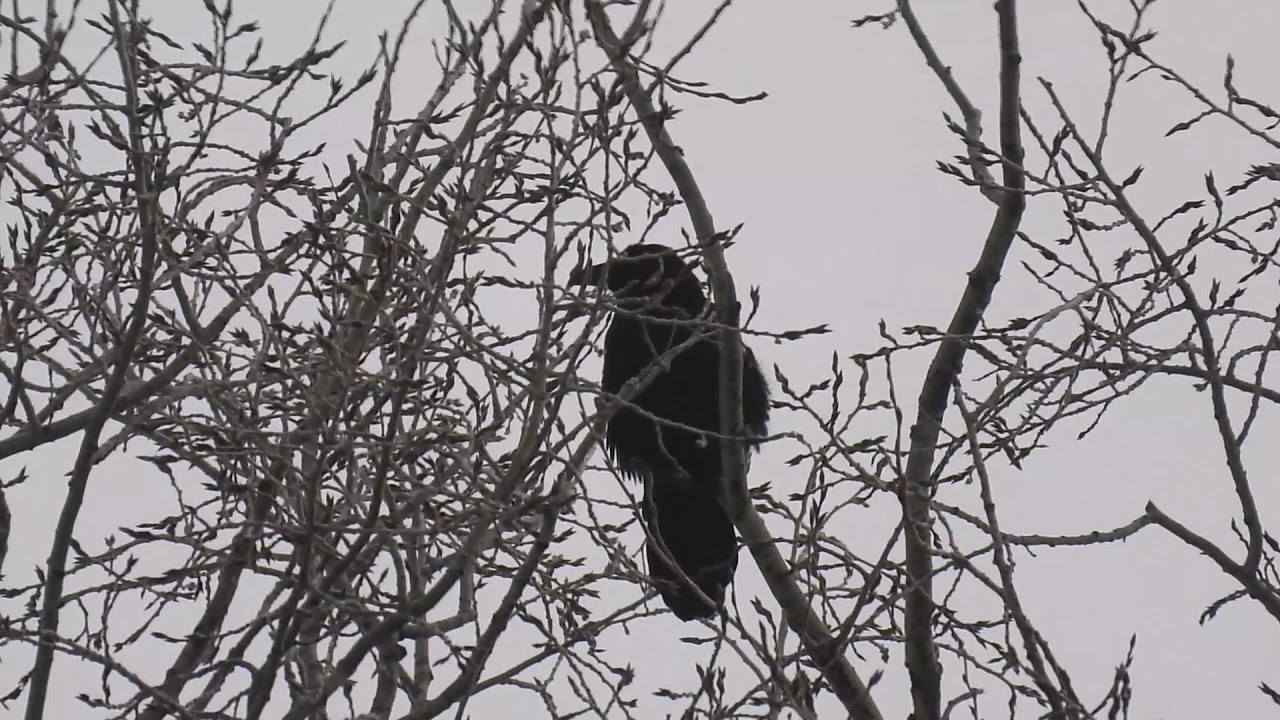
(668, 435)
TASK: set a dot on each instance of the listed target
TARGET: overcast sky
(847, 222)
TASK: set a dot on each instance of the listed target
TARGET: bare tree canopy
(302, 411)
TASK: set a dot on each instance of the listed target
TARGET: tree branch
(817, 639)
(916, 490)
(1212, 370)
(148, 242)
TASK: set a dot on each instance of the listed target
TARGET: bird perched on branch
(668, 434)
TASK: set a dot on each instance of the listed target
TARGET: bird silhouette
(668, 434)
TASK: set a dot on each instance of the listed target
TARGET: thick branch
(1248, 579)
(916, 490)
(818, 640)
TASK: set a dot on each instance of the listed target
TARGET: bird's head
(646, 271)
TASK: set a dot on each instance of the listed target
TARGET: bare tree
(365, 387)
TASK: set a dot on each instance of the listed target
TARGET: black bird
(668, 434)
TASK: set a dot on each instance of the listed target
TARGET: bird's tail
(698, 535)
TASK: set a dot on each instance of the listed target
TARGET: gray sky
(847, 222)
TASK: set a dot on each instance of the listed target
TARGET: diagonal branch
(1208, 346)
(1062, 702)
(972, 130)
(818, 640)
(916, 489)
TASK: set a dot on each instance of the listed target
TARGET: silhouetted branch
(1063, 703)
(816, 637)
(142, 182)
(1208, 347)
(917, 490)
(972, 130)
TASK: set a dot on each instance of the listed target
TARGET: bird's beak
(590, 275)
